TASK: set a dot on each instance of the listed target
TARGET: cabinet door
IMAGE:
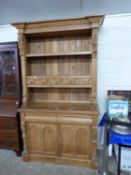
(83, 141)
(76, 141)
(8, 72)
(42, 138)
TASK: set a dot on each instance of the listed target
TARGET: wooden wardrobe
(59, 76)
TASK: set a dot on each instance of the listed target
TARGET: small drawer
(8, 144)
(8, 139)
(8, 135)
(8, 123)
(75, 119)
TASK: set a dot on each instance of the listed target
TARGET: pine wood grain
(59, 74)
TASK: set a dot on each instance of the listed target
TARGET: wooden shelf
(90, 101)
(58, 54)
(63, 106)
(59, 81)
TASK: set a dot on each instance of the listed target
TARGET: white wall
(27, 10)
(114, 59)
(8, 33)
(114, 55)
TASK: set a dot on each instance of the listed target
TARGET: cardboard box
(117, 108)
(121, 95)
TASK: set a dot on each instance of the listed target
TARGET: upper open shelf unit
(59, 60)
(59, 37)
(59, 46)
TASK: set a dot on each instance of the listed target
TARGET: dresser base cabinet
(60, 138)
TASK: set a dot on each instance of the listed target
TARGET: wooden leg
(119, 160)
(105, 157)
(18, 152)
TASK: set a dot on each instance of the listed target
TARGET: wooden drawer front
(74, 119)
(8, 123)
(8, 144)
(8, 139)
(40, 118)
(58, 119)
(8, 135)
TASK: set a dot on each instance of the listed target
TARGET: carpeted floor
(10, 164)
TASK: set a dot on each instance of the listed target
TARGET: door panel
(50, 139)
(76, 141)
(34, 137)
(67, 140)
(8, 73)
(42, 138)
(82, 141)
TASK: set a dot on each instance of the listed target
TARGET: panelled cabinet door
(75, 141)
(34, 137)
(67, 141)
(8, 72)
(50, 139)
(83, 136)
(42, 138)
